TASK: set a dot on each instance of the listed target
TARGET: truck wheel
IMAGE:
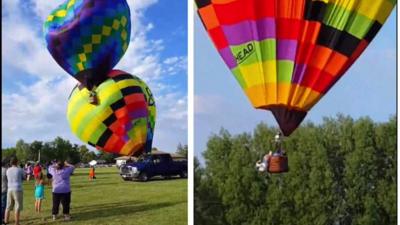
(126, 179)
(183, 174)
(143, 177)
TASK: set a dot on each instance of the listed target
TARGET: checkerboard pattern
(287, 54)
(88, 34)
(123, 121)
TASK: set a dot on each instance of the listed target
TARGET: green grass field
(109, 200)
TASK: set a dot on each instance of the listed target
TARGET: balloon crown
(87, 38)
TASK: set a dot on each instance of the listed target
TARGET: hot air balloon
(123, 120)
(87, 38)
(287, 54)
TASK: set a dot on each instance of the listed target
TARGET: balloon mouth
(90, 78)
(288, 119)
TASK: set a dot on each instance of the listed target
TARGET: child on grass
(92, 174)
(39, 192)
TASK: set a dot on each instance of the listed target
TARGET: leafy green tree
(208, 208)
(22, 151)
(73, 155)
(361, 171)
(386, 141)
(108, 157)
(34, 148)
(341, 172)
(83, 151)
(89, 157)
(48, 152)
(8, 153)
(182, 150)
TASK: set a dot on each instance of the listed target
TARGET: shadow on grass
(160, 179)
(105, 182)
(81, 173)
(92, 184)
(85, 213)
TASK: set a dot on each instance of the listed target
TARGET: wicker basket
(278, 164)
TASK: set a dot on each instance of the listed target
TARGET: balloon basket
(278, 164)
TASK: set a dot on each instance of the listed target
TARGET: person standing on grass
(15, 176)
(3, 189)
(61, 173)
(48, 174)
(29, 171)
(39, 192)
(92, 174)
(37, 170)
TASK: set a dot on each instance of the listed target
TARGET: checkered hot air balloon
(287, 54)
(123, 120)
(87, 38)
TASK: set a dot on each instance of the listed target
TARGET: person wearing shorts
(15, 175)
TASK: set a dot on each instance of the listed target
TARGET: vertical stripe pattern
(289, 53)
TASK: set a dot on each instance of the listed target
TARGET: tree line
(62, 149)
(341, 172)
(59, 148)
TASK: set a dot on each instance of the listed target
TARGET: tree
(8, 153)
(182, 150)
(48, 152)
(34, 148)
(108, 157)
(208, 208)
(22, 151)
(342, 171)
(89, 157)
(73, 155)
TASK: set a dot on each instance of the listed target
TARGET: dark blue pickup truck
(153, 165)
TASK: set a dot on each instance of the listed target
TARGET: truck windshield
(144, 159)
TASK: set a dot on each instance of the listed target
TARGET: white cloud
(140, 5)
(23, 48)
(42, 8)
(175, 64)
(173, 109)
(37, 111)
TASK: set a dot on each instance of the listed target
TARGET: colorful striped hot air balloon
(87, 38)
(123, 120)
(287, 54)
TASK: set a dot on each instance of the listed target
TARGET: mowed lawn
(109, 200)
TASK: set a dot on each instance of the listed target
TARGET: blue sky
(35, 89)
(367, 89)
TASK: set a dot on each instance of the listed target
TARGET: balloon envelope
(123, 120)
(87, 38)
(287, 54)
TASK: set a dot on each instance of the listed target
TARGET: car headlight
(134, 169)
